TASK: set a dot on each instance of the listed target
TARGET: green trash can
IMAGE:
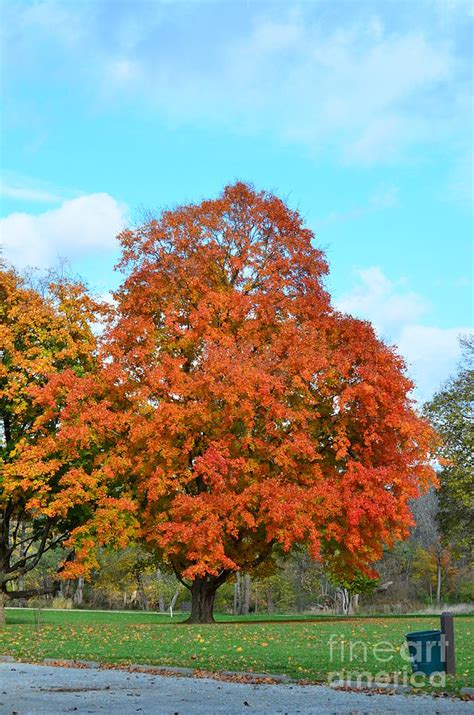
(426, 652)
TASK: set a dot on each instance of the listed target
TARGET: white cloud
(385, 303)
(23, 193)
(18, 187)
(431, 353)
(307, 85)
(82, 225)
(368, 87)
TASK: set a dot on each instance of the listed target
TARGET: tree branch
(30, 592)
(42, 549)
(178, 576)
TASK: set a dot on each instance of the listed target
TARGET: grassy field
(295, 646)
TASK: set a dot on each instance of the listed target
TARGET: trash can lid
(421, 634)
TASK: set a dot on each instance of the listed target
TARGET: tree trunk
(78, 597)
(161, 598)
(438, 580)
(21, 581)
(345, 600)
(245, 602)
(236, 604)
(353, 603)
(203, 593)
(349, 605)
(141, 592)
(3, 600)
(173, 600)
(269, 595)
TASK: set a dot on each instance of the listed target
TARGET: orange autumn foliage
(49, 486)
(249, 412)
(231, 410)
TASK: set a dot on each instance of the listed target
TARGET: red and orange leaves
(56, 418)
(255, 413)
(228, 407)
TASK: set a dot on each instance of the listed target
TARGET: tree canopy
(230, 411)
(250, 413)
(49, 488)
(451, 412)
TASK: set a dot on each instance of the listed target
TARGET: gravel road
(44, 690)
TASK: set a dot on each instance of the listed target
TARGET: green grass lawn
(297, 647)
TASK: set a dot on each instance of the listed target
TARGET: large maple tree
(51, 494)
(253, 415)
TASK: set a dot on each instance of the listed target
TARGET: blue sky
(358, 113)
